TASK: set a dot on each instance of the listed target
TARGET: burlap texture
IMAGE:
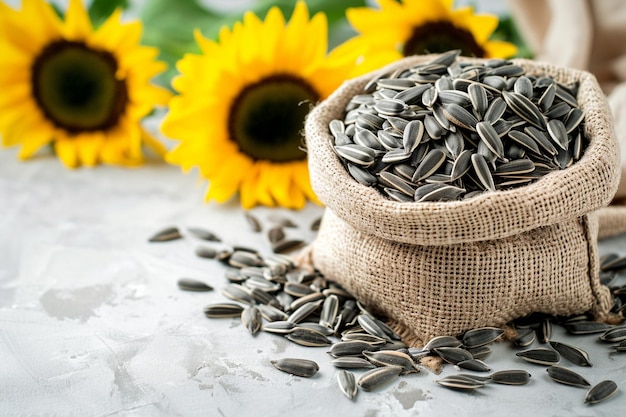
(443, 268)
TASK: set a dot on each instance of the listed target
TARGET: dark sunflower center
(76, 88)
(438, 37)
(267, 117)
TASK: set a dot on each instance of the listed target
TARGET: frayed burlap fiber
(446, 267)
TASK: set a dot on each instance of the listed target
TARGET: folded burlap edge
(584, 187)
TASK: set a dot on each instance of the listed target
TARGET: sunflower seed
(433, 127)
(349, 348)
(391, 107)
(238, 293)
(251, 319)
(352, 362)
(571, 353)
(279, 327)
(616, 264)
(347, 383)
(478, 97)
(587, 327)
(287, 245)
(474, 365)
(460, 383)
(566, 376)
(378, 377)
(495, 110)
(337, 127)
(490, 137)
(330, 309)
(308, 337)
(254, 223)
(412, 136)
(391, 358)
(241, 259)
(516, 167)
(298, 367)
(482, 336)
(442, 341)
(600, 392)
(524, 140)
(371, 326)
(364, 337)
(459, 116)
(541, 356)
(190, 284)
(509, 70)
(357, 154)
(480, 353)
(544, 331)
(616, 334)
(525, 337)
(431, 163)
(367, 139)
(547, 97)
(272, 313)
(203, 234)
(564, 95)
(482, 171)
(455, 97)
(223, 310)
(412, 95)
(557, 132)
(166, 235)
(524, 108)
(573, 120)
(541, 139)
(429, 97)
(510, 377)
(304, 311)
(398, 84)
(453, 355)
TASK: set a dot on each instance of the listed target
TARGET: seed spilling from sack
(449, 129)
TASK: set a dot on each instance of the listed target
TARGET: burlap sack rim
(556, 197)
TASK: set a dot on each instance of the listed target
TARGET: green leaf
(507, 31)
(99, 10)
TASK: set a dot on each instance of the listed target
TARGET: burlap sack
(443, 268)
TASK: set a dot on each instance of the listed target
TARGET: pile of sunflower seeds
(270, 294)
(447, 130)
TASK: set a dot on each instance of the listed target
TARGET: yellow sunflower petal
(481, 26)
(67, 152)
(153, 143)
(500, 49)
(37, 139)
(88, 147)
(77, 22)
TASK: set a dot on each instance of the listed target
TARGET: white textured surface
(92, 324)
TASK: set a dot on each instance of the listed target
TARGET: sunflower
(411, 27)
(242, 104)
(81, 90)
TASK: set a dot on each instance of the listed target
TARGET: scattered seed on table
(166, 235)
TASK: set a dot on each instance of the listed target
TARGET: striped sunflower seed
(190, 284)
(567, 376)
(299, 367)
(541, 356)
(600, 392)
(571, 353)
(166, 235)
(379, 377)
(347, 383)
(223, 310)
